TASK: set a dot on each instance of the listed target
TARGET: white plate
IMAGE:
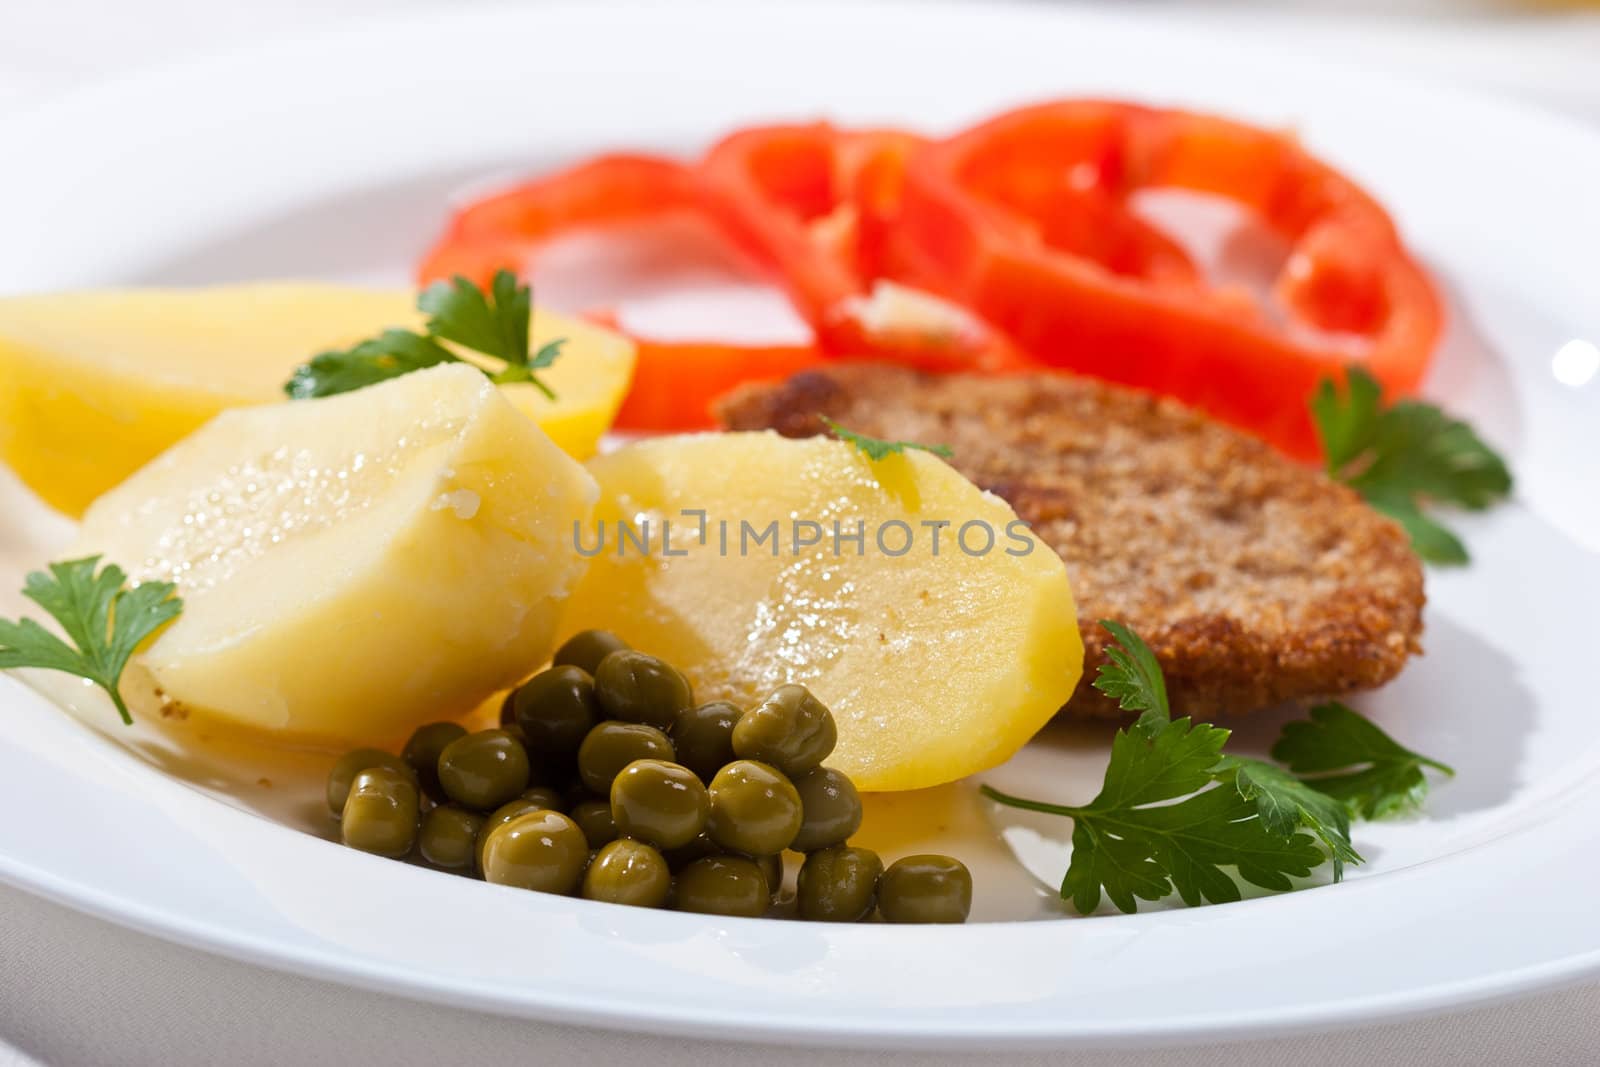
(334, 157)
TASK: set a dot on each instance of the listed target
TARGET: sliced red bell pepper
(674, 381)
(1023, 218)
(505, 229)
(817, 207)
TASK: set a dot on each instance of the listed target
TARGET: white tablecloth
(75, 990)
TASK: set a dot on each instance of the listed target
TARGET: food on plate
(104, 620)
(839, 885)
(594, 819)
(554, 711)
(1256, 580)
(483, 770)
(988, 223)
(429, 503)
(703, 737)
(634, 687)
(791, 730)
(812, 612)
(628, 872)
(1174, 811)
(507, 230)
(723, 885)
(380, 814)
(831, 809)
(514, 808)
(422, 753)
(1018, 242)
(540, 850)
(660, 803)
(352, 763)
(936, 662)
(448, 836)
(612, 745)
(98, 383)
(585, 650)
(1403, 456)
(755, 809)
(925, 889)
(661, 833)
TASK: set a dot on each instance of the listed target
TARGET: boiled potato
(935, 665)
(354, 566)
(93, 385)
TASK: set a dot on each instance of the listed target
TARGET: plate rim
(212, 937)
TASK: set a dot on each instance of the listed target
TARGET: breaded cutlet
(1254, 579)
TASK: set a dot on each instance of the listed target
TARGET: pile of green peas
(606, 780)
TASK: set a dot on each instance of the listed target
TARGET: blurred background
(1547, 51)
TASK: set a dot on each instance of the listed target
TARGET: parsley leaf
(1401, 457)
(496, 324)
(1284, 804)
(1130, 844)
(1133, 678)
(1346, 756)
(389, 355)
(104, 620)
(877, 449)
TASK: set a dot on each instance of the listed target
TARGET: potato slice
(936, 665)
(93, 385)
(355, 566)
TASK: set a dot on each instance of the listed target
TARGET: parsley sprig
(497, 325)
(1404, 456)
(875, 448)
(1345, 756)
(1176, 815)
(104, 619)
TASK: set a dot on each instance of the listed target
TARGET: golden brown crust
(1254, 580)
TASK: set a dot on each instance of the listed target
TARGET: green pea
(585, 650)
(594, 819)
(754, 809)
(723, 885)
(925, 889)
(839, 884)
(541, 850)
(353, 763)
(556, 709)
(634, 687)
(483, 770)
(792, 730)
(511, 809)
(422, 752)
(660, 803)
(628, 872)
(699, 848)
(831, 809)
(449, 837)
(703, 737)
(611, 746)
(380, 814)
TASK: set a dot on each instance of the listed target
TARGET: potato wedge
(936, 664)
(355, 566)
(93, 385)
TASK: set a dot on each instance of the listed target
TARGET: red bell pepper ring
(506, 229)
(992, 218)
(817, 206)
(674, 381)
